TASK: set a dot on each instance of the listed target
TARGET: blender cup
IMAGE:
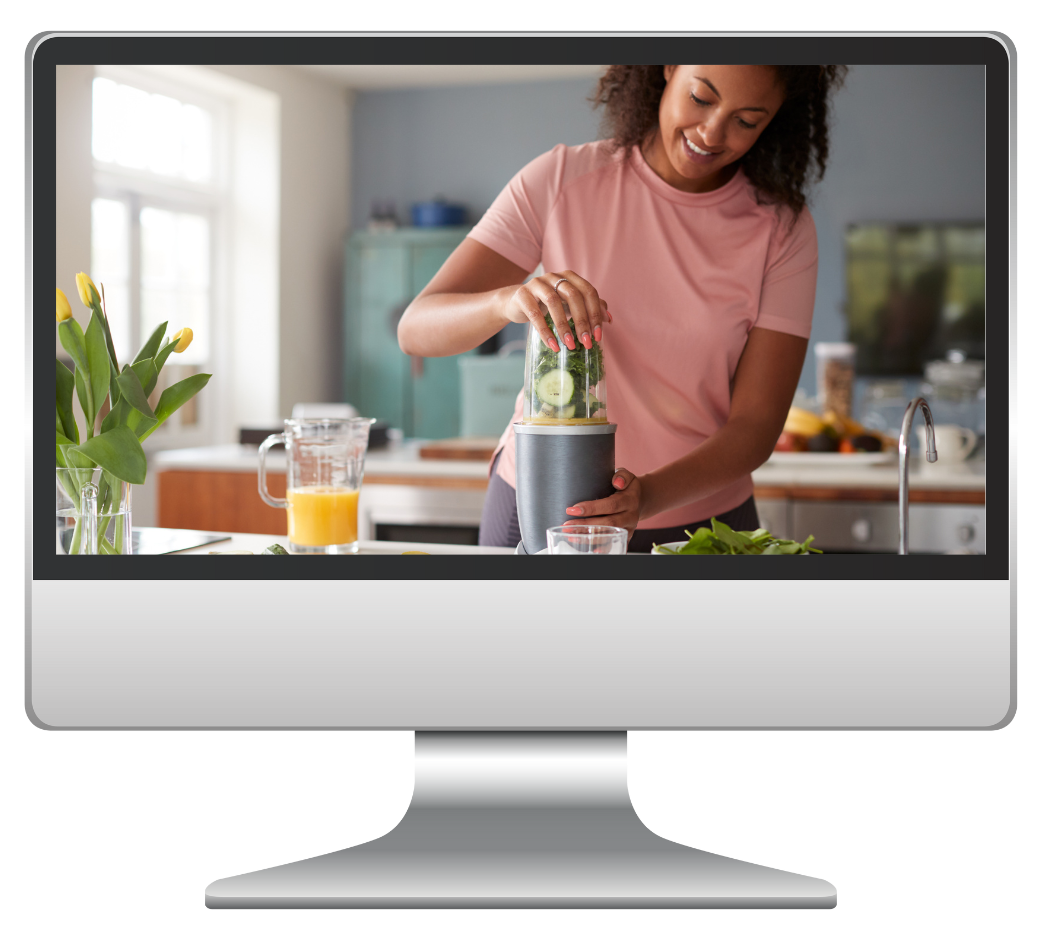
(565, 445)
(566, 388)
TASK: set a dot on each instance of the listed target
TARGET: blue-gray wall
(907, 145)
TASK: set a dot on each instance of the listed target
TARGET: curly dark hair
(791, 153)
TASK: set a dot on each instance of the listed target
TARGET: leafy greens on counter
(722, 539)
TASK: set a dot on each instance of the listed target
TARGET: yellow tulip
(88, 293)
(183, 339)
(63, 311)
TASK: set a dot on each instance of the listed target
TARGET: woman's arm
(765, 381)
(477, 292)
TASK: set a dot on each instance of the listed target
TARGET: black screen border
(49, 50)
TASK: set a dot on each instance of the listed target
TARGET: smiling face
(710, 116)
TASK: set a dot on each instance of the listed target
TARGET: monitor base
(520, 820)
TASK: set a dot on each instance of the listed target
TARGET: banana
(803, 422)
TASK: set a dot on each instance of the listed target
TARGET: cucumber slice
(556, 388)
(551, 411)
(592, 404)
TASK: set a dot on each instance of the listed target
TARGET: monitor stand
(520, 819)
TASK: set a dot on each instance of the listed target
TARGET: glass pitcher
(325, 460)
(92, 512)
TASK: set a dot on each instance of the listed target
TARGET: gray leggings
(499, 526)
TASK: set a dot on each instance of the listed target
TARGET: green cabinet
(384, 272)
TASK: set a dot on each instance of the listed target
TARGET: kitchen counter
(395, 463)
(927, 482)
(257, 543)
(215, 488)
(401, 463)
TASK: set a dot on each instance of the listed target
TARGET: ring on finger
(556, 285)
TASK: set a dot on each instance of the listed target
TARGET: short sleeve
(790, 280)
(515, 223)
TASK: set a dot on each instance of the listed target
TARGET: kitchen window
(156, 221)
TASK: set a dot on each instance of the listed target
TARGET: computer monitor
(521, 683)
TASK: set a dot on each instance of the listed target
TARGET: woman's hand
(477, 292)
(529, 302)
(622, 509)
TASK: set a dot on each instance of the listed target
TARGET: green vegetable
(555, 388)
(585, 368)
(721, 539)
(275, 549)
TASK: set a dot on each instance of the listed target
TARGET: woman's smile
(700, 156)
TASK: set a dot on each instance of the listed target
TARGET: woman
(686, 235)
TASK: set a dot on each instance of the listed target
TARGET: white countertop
(921, 475)
(396, 459)
(257, 543)
(402, 459)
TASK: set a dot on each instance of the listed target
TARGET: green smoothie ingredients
(564, 382)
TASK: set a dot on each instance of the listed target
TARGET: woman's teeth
(694, 148)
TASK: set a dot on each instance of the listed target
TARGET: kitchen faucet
(930, 455)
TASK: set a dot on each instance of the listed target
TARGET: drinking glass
(92, 512)
(325, 460)
(587, 539)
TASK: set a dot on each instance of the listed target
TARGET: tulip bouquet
(100, 466)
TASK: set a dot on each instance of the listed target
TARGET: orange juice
(322, 515)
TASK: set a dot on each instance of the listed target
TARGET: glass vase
(92, 512)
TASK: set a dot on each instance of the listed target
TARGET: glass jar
(836, 368)
(564, 388)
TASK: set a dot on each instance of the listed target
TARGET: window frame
(140, 188)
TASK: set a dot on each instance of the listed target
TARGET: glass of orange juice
(325, 460)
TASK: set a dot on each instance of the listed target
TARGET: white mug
(953, 442)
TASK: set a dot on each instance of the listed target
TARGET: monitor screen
(711, 667)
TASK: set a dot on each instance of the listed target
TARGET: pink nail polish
(553, 345)
(569, 341)
(586, 342)
(597, 333)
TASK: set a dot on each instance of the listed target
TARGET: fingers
(622, 478)
(609, 506)
(584, 304)
(545, 292)
(573, 296)
(533, 309)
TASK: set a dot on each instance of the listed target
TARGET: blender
(565, 445)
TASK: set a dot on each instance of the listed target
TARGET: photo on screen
(322, 306)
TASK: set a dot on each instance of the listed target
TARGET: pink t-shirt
(686, 276)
